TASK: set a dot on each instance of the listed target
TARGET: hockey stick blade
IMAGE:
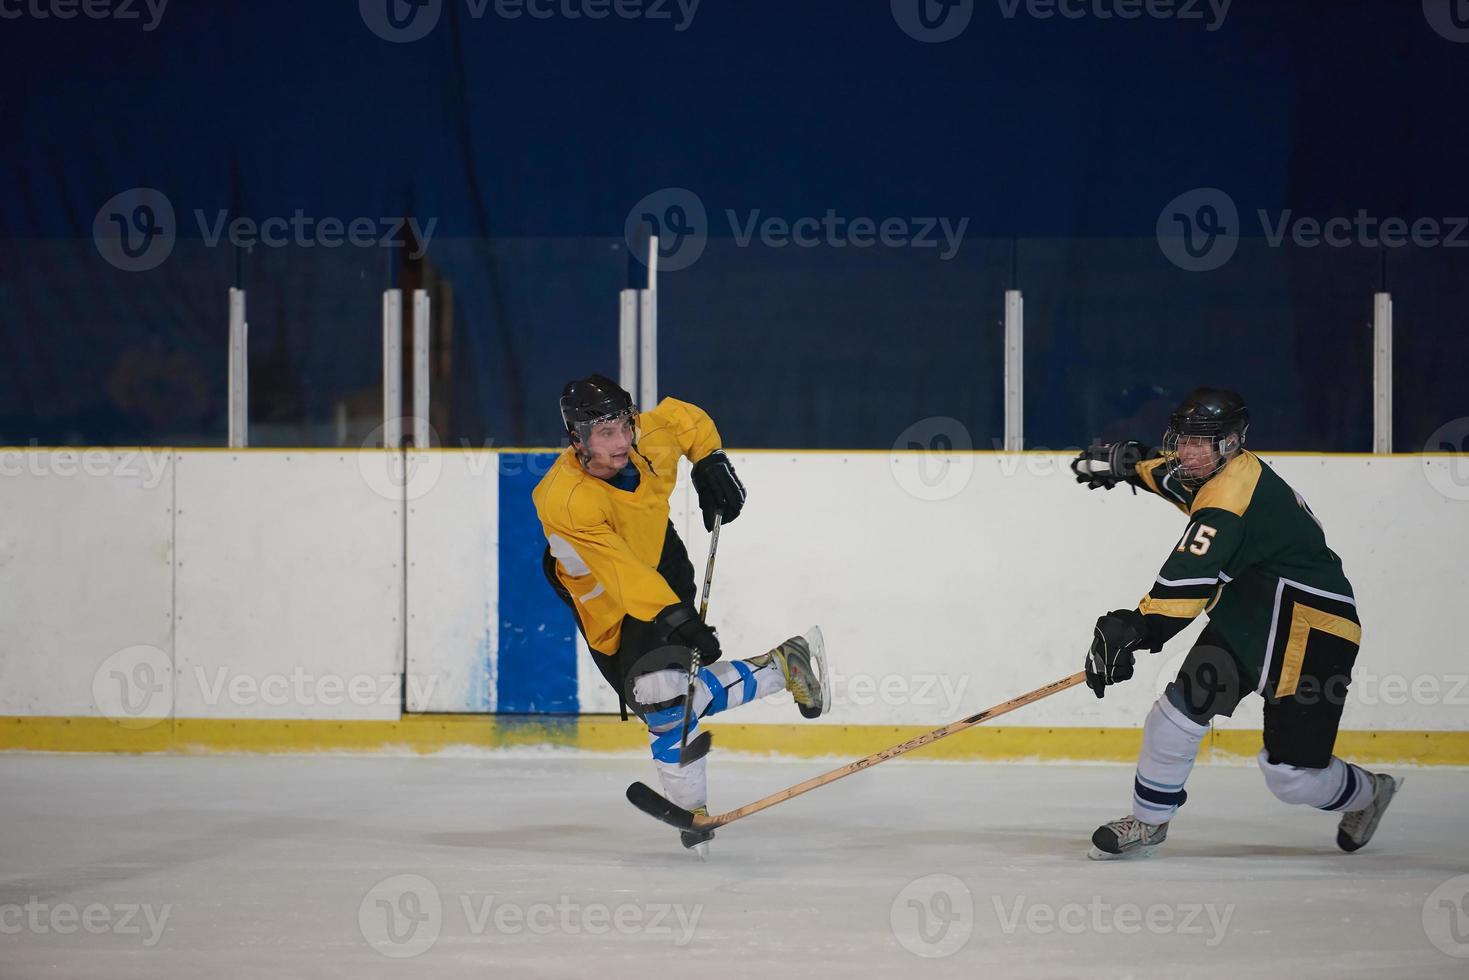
(659, 807)
(697, 749)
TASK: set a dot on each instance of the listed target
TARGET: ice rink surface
(533, 865)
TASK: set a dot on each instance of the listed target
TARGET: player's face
(609, 445)
(1198, 455)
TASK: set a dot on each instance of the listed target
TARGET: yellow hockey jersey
(607, 541)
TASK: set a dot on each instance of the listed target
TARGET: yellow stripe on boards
(598, 733)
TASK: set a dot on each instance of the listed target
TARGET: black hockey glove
(1115, 636)
(681, 626)
(720, 490)
(1106, 466)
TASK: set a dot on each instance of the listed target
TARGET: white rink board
(453, 581)
(937, 608)
(289, 588)
(86, 572)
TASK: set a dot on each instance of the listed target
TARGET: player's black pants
(1300, 726)
(643, 647)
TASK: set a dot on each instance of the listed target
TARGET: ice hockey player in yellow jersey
(615, 559)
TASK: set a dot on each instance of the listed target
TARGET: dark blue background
(529, 141)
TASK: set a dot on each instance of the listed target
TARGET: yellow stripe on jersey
(1147, 471)
(1302, 622)
(1177, 608)
(1233, 487)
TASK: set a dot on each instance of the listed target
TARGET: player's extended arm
(1180, 592)
(1107, 464)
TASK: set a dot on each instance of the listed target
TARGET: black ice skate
(698, 840)
(1357, 827)
(1126, 838)
(802, 661)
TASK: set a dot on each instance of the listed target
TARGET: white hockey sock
(1340, 786)
(1170, 745)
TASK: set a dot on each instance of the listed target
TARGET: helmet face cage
(582, 430)
(1226, 440)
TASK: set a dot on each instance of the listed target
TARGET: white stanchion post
(239, 372)
(421, 352)
(392, 369)
(627, 340)
(1014, 371)
(1382, 373)
(648, 332)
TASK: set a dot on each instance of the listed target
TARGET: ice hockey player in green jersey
(1282, 623)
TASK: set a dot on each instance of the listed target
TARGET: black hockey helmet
(1213, 413)
(590, 400)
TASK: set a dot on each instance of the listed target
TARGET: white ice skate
(1357, 827)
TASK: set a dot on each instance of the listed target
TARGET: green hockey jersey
(1255, 560)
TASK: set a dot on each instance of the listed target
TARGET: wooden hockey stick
(689, 753)
(661, 808)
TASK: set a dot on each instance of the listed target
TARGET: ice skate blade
(1135, 854)
(701, 850)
